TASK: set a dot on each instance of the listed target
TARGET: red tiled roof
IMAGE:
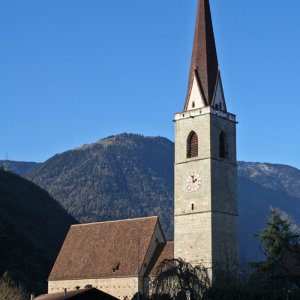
(108, 249)
(162, 252)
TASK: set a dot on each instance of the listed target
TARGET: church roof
(162, 252)
(204, 64)
(108, 249)
(91, 294)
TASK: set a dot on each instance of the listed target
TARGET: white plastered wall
(195, 100)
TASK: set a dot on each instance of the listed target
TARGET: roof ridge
(115, 221)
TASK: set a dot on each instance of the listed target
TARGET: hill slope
(260, 187)
(129, 176)
(119, 177)
(19, 167)
(273, 176)
(32, 229)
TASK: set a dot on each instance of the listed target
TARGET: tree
(9, 290)
(160, 297)
(180, 280)
(280, 244)
(274, 278)
(7, 280)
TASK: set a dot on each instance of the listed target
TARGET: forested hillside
(120, 177)
(127, 176)
(19, 167)
(32, 228)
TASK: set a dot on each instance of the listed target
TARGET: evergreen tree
(280, 243)
(279, 237)
(7, 280)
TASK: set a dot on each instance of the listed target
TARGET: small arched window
(223, 147)
(192, 145)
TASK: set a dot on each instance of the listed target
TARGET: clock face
(193, 182)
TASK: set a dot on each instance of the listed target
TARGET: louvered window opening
(192, 145)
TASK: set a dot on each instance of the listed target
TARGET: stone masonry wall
(192, 209)
(205, 219)
(118, 287)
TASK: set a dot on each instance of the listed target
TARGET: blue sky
(75, 71)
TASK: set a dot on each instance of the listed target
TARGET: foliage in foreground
(9, 290)
(237, 286)
(280, 242)
(180, 280)
(276, 278)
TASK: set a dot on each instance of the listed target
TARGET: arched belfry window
(223, 145)
(192, 145)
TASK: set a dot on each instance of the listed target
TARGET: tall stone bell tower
(205, 160)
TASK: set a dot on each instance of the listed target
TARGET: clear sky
(75, 71)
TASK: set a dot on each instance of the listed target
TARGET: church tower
(205, 160)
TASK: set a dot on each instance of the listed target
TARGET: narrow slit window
(223, 147)
(192, 145)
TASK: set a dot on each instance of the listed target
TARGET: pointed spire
(204, 64)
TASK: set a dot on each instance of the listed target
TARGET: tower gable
(219, 99)
(195, 98)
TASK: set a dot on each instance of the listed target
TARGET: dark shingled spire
(204, 58)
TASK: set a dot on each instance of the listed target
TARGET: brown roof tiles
(162, 252)
(108, 249)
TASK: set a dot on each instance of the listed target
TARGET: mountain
(32, 228)
(262, 186)
(120, 177)
(127, 176)
(273, 176)
(19, 167)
